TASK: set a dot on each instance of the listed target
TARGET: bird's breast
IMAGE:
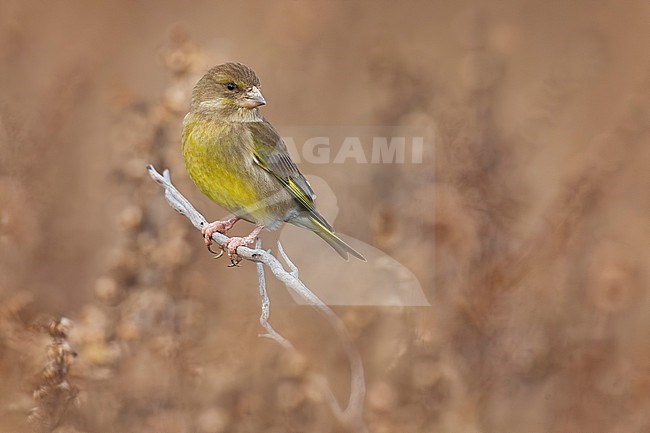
(219, 159)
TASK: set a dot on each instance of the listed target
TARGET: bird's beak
(252, 99)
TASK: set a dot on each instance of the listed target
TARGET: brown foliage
(528, 227)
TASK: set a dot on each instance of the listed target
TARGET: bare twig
(352, 416)
(292, 267)
(266, 306)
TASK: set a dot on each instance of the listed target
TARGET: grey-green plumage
(239, 160)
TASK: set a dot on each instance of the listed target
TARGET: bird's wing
(272, 155)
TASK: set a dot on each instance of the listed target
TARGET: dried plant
(526, 224)
(55, 393)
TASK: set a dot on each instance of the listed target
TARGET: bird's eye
(231, 86)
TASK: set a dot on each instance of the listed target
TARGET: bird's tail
(327, 234)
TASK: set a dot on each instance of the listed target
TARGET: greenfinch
(236, 158)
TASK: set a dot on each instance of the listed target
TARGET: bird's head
(230, 91)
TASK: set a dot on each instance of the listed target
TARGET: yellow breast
(221, 164)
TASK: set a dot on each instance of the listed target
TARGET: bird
(238, 160)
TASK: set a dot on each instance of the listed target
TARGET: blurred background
(527, 225)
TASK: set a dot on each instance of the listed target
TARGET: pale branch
(266, 306)
(292, 267)
(352, 416)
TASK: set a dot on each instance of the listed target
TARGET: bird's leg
(235, 242)
(217, 227)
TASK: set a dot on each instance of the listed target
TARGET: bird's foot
(217, 227)
(235, 242)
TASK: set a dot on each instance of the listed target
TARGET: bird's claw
(216, 254)
(216, 227)
(232, 244)
(211, 228)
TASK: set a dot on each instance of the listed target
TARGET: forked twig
(352, 416)
(266, 306)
